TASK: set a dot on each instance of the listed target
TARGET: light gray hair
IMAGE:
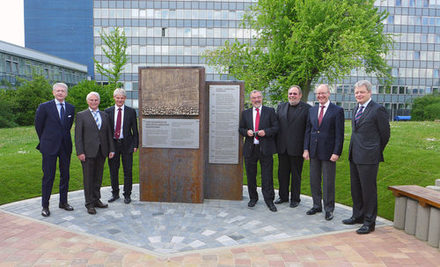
(63, 85)
(119, 91)
(297, 87)
(325, 85)
(255, 91)
(93, 93)
(365, 83)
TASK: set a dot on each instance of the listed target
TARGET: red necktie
(321, 114)
(118, 124)
(257, 121)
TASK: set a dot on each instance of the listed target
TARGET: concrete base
(422, 225)
(411, 216)
(433, 187)
(399, 212)
(437, 182)
(434, 228)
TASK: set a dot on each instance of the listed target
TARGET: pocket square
(69, 116)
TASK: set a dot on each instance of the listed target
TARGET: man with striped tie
(370, 135)
(93, 143)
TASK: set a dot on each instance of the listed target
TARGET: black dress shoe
(252, 203)
(113, 198)
(91, 210)
(45, 212)
(127, 200)
(293, 204)
(352, 220)
(65, 206)
(328, 215)
(100, 205)
(365, 229)
(279, 201)
(271, 206)
(313, 211)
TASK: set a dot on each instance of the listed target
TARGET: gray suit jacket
(370, 135)
(88, 137)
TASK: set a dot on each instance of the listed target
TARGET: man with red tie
(259, 125)
(323, 143)
(126, 139)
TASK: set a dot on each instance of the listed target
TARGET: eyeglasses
(321, 93)
(293, 94)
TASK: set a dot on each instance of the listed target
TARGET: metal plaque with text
(170, 133)
(224, 116)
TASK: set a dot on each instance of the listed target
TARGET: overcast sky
(12, 21)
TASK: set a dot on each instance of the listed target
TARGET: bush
(426, 108)
(78, 93)
(7, 115)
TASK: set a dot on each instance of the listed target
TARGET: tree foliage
(115, 50)
(297, 42)
(426, 108)
(78, 93)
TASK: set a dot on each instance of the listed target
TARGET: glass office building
(17, 61)
(175, 33)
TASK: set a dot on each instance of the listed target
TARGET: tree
(78, 93)
(298, 41)
(115, 50)
(426, 108)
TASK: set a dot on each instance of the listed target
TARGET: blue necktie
(95, 115)
(359, 114)
(62, 113)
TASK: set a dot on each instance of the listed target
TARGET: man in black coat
(126, 139)
(292, 119)
(259, 125)
(53, 121)
(369, 136)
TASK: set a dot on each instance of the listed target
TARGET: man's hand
(334, 157)
(250, 133)
(135, 149)
(82, 157)
(306, 155)
(261, 133)
(111, 155)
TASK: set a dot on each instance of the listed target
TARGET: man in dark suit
(259, 125)
(93, 142)
(292, 119)
(323, 146)
(53, 121)
(369, 136)
(126, 139)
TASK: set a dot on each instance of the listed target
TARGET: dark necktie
(359, 114)
(118, 124)
(257, 121)
(62, 113)
(321, 114)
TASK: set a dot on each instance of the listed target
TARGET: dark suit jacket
(268, 123)
(88, 137)
(50, 131)
(290, 137)
(328, 138)
(370, 136)
(129, 127)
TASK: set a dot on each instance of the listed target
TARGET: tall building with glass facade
(175, 33)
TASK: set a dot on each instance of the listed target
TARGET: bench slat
(425, 196)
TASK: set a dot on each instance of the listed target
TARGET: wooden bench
(417, 211)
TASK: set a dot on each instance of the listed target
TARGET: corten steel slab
(172, 174)
(225, 181)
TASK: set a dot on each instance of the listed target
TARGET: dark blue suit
(322, 141)
(55, 142)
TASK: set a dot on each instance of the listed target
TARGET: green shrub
(426, 108)
(78, 93)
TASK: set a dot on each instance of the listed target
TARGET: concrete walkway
(215, 233)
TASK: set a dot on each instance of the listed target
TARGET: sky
(12, 22)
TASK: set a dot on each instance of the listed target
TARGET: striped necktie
(359, 114)
(97, 120)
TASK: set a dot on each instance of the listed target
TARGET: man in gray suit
(370, 135)
(93, 142)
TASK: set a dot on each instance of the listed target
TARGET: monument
(190, 148)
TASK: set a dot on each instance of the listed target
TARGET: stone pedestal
(434, 228)
(422, 223)
(399, 212)
(411, 216)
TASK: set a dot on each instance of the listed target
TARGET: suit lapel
(365, 113)
(54, 111)
(314, 118)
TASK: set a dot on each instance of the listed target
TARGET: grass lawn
(411, 157)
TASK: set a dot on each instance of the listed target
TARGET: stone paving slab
(167, 229)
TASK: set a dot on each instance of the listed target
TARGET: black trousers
(289, 174)
(325, 171)
(266, 163)
(364, 191)
(49, 166)
(127, 165)
(92, 178)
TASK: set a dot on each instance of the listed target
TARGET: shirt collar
(366, 103)
(58, 102)
(122, 107)
(91, 110)
(326, 104)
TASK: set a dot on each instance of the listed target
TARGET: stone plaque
(224, 116)
(170, 133)
(171, 92)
